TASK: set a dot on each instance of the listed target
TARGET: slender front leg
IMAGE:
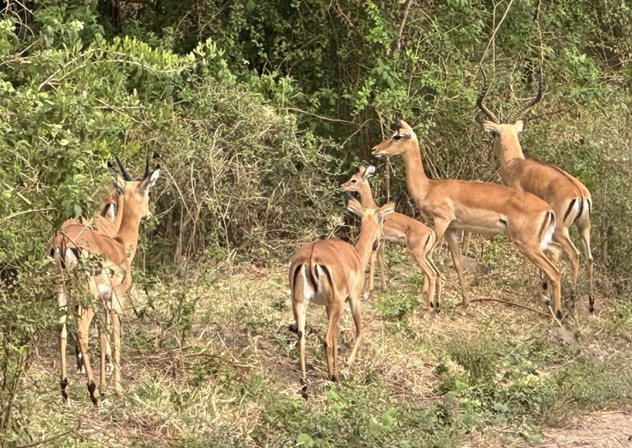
(62, 306)
(372, 270)
(380, 260)
(451, 237)
(83, 326)
(116, 351)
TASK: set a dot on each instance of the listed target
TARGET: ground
(209, 360)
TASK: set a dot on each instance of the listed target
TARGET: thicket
(259, 109)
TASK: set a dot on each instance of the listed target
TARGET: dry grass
(210, 375)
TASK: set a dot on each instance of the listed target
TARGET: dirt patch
(603, 430)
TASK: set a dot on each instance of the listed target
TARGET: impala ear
(353, 205)
(109, 211)
(367, 171)
(149, 181)
(491, 127)
(519, 125)
(387, 209)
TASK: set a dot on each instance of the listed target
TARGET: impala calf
(109, 283)
(569, 198)
(418, 238)
(479, 207)
(330, 273)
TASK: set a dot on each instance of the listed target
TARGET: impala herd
(535, 209)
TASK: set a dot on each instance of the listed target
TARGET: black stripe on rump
(570, 207)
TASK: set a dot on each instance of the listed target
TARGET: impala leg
(380, 260)
(116, 351)
(354, 306)
(552, 274)
(451, 237)
(372, 270)
(83, 326)
(562, 238)
(583, 225)
(62, 303)
(78, 357)
(430, 278)
(299, 308)
(334, 311)
(102, 349)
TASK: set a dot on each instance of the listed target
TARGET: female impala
(569, 198)
(418, 238)
(330, 273)
(109, 284)
(478, 207)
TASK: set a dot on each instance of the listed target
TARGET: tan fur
(109, 285)
(418, 238)
(331, 272)
(555, 186)
(478, 207)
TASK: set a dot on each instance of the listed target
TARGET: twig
(493, 37)
(51, 438)
(397, 43)
(493, 299)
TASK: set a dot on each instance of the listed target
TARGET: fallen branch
(492, 299)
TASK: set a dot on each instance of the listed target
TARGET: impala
(108, 221)
(418, 238)
(330, 273)
(569, 198)
(479, 207)
(110, 282)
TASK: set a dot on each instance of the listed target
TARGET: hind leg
(562, 238)
(354, 305)
(583, 226)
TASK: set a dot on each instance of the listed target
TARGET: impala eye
(353, 181)
(397, 137)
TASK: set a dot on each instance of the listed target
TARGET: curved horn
(481, 97)
(532, 102)
(124, 172)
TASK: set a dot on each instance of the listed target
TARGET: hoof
(559, 315)
(591, 304)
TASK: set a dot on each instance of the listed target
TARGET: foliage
(259, 108)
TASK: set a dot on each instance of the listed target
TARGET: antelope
(418, 238)
(107, 221)
(330, 273)
(570, 199)
(478, 207)
(110, 283)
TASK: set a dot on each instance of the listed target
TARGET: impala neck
(129, 230)
(507, 148)
(416, 180)
(366, 197)
(364, 245)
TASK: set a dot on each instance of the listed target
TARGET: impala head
(359, 179)
(399, 142)
(372, 217)
(136, 192)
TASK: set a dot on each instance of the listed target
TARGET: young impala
(478, 207)
(108, 284)
(330, 273)
(418, 238)
(569, 198)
